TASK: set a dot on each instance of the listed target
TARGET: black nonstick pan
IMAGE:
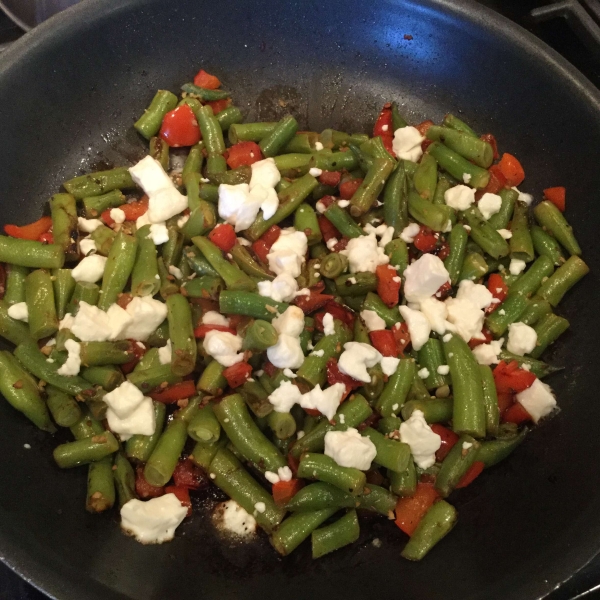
(69, 93)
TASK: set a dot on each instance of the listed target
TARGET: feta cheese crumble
(153, 521)
(407, 143)
(538, 400)
(350, 449)
(423, 442)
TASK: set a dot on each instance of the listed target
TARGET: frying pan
(29, 13)
(69, 93)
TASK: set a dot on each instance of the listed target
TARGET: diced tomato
(144, 489)
(388, 285)
(46, 238)
(243, 154)
(219, 105)
(510, 378)
(331, 178)
(505, 401)
(487, 338)
(334, 375)
(223, 236)
(138, 350)
(384, 342)
(284, 491)
(473, 473)
(309, 304)
(180, 127)
(132, 210)
(511, 169)
(443, 250)
(174, 392)
(328, 229)
(497, 287)
(491, 140)
(496, 183)
(400, 331)
(444, 291)
(182, 494)
(384, 128)
(426, 239)
(202, 330)
(189, 475)
(237, 374)
(348, 188)
(423, 127)
(516, 414)
(262, 246)
(449, 438)
(410, 511)
(206, 81)
(29, 232)
(557, 196)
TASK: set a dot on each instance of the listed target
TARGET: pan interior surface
(69, 94)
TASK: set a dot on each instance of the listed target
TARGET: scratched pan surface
(69, 93)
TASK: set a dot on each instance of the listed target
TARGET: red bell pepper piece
(206, 81)
(388, 285)
(237, 374)
(189, 475)
(495, 184)
(284, 491)
(293, 464)
(328, 229)
(174, 392)
(313, 302)
(29, 232)
(340, 312)
(511, 169)
(138, 352)
(510, 378)
(516, 414)
(505, 401)
(144, 489)
(443, 291)
(132, 210)
(443, 250)
(348, 188)
(497, 287)
(262, 246)
(384, 342)
(334, 375)
(202, 330)
(180, 127)
(331, 178)
(426, 240)
(491, 140)
(223, 236)
(423, 127)
(487, 338)
(384, 127)
(410, 511)
(473, 473)
(219, 105)
(243, 154)
(402, 335)
(557, 196)
(46, 238)
(182, 494)
(449, 438)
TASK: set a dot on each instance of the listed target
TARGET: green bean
(83, 292)
(472, 148)
(250, 132)
(10, 329)
(545, 245)
(342, 221)
(229, 116)
(198, 263)
(182, 335)
(418, 389)
(372, 186)
(100, 486)
(548, 330)
(457, 239)
(232, 177)
(344, 531)
(124, 479)
(391, 454)
(246, 263)
(150, 360)
(212, 381)
(485, 235)
(434, 526)
(324, 468)
(140, 447)
(204, 426)
(15, 284)
(64, 409)
(425, 177)
(536, 309)
(333, 265)
(107, 377)
(84, 451)
(212, 135)
(330, 138)
(404, 484)
(144, 277)
(94, 206)
(531, 280)
(63, 284)
(27, 253)
(469, 407)
(563, 279)
(457, 166)
(374, 148)
(443, 185)
(551, 219)
(259, 336)
(397, 250)
(431, 357)
(492, 452)
(305, 219)
(283, 425)
(537, 367)
(101, 182)
(149, 123)
(474, 267)
(435, 410)
(159, 151)
(173, 247)
(458, 461)
(95, 354)
(378, 499)
(373, 389)
(396, 390)
(168, 284)
(387, 425)
(295, 529)
(256, 398)
(375, 303)
(204, 94)
(279, 136)
(502, 218)
(192, 168)
(357, 284)
(508, 312)
(320, 495)
(103, 238)
(439, 217)
(521, 244)
(86, 427)
(64, 224)
(203, 287)
(289, 200)
(119, 266)
(395, 205)
(232, 478)
(455, 123)
(251, 305)
(149, 379)
(39, 295)
(490, 400)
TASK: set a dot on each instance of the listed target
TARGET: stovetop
(556, 33)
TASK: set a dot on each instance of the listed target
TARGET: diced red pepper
(487, 338)
(497, 287)
(449, 438)
(29, 232)
(423, 127)
(444, 291)
(219, 105)
(189, 475)
(46, 238)
(138, 351)
(174, 392)
(223, 236)
(426, 240)
(293, 464)
(237, 374)
(516, 414)
(334, 375)
(124, 299)
(284, 491)
(331, 178)
(144, 489)
(491, 140)
(132, 210)
(496, 183)
(388, 285)
(410, 511)
(384, 342)
(316, 300)
(511, 169)
(328, 229)
(384, 128)
(262, 246)
(182, 494)
(510, 378)
(243, 154)
(340, 312)
(341, 245)
(206, 81)
(557, 196)
(348, 188)
(505, 401)
(400, 331)
(443, 250)
(202, 330)
(271, 235)
(473, 473)
(180, 127)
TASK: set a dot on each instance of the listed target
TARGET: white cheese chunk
(90, 269)
(356, 359)
(147, 314)
(165, 354)
(459, 197)
(117, 215)
(291, 322)
(265, 173)
(141, 421)
(87, 246)
(410, 232)
(153, 521)
(281, 289)
(466, 317)
(285, 396)
(223, 347)
(478, 294)
(364, 255)
(523, 197)
(435, 312)
(423, 442)
(517, 266)
(424, 277)
(288, 253)
(407, 143)
(505, 233)
(232, 518)
(212, 317)
(328, 328)
(326, 401)
(286, 353)
(73, 363)
(237, 206)
(175, 271)
(521, 338)
(159, 234)
(487, 354)
(538, 400)
(389, 364)
(88, 225)
(489, 205)
(19, 312)
(372, 320)
(418, 326)
(124, 400)
(350, 449)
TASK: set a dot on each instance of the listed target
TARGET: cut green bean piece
(144, 276)
(84, 451)
(439, 217)
(396, 390)
(140, 447)
(472, 148)
(65, 409)
(343, 222)
(458, 239)
(508, 312)
(295, 529)
(426, 177)
(344, 531)
(483, 234)
(95, 205)
(279, 137)
(548, 330)
(502, 218)
(545, 245)
(457, 166)
(41, 307)
(372, 186)
(119, 266)
(454, 122)
(435, 410)
(324, 468)
(183, 353)
(100, 486)
(551, 219)
(391, 454)
(521, 244)
(458, 461)
(101, 182)
(27, 253)
(492, 452)
(563, 279)
(490, 400)
(395, 200)
(149, 123)
(124, 478)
